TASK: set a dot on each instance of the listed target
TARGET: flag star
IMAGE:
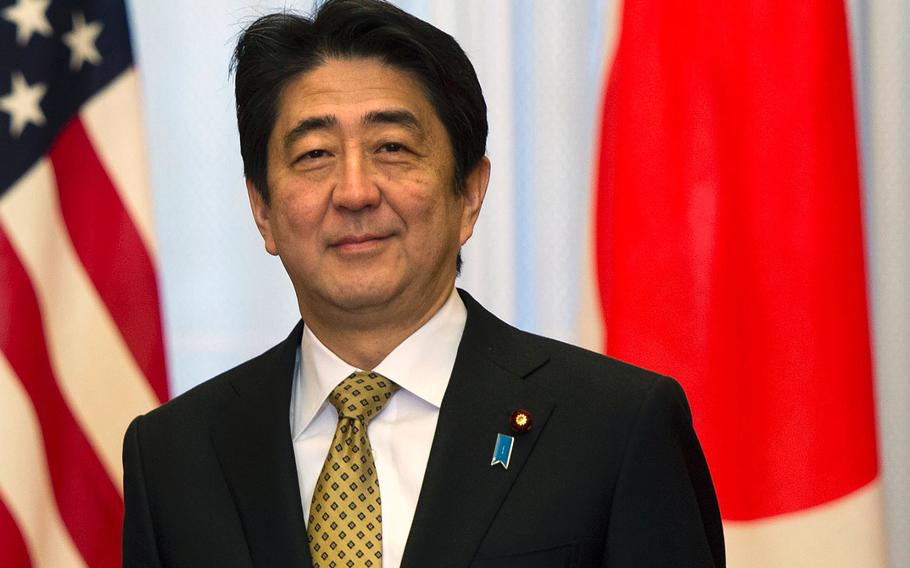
(23, 104)
(30, 17)
(81, 41)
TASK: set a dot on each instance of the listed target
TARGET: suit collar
(253, 444)
(421, 364)
(461, 491)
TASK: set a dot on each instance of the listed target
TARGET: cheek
(412, 202)
(440, 224)
(299, 221)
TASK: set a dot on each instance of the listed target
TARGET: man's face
(363, 211)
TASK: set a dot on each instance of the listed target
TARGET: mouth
(358, 243)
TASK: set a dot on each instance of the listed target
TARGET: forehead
(348, 89)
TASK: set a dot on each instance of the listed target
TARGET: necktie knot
(362, 395)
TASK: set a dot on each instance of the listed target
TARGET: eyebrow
(400, 117)
(308, 125)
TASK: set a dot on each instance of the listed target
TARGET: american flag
(81, 349)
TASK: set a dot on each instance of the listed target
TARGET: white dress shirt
(400, 435)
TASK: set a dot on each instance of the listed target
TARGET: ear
(262, 216)
(473, 192)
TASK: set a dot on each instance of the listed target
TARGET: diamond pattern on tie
(344, 528)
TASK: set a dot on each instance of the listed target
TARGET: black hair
(277, 48)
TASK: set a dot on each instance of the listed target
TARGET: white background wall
(881, 58)
(540, 64)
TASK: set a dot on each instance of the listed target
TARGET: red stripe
(13, 552)
(729, 239)
(111, 249)
(89, 504)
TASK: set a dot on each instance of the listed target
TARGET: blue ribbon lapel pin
(502, 453)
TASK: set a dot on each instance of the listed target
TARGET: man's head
(278, 47)
(363, 136)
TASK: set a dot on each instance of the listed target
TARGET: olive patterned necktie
(345, 524)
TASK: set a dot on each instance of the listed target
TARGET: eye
(391, 147)
(314, 154)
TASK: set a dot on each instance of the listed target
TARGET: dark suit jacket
(610, 474)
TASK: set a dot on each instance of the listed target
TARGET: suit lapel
(461, 491)
(254, 447)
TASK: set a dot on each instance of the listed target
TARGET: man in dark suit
(362, 134)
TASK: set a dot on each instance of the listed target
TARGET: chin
(362, 296)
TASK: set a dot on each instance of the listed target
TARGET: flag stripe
(109, 117)
(89, 356)
(25, 482)
(111, 249)
(11, 543)
(88, 502)
(844, 533)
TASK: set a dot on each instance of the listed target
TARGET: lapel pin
(502, 453)
(520, 421)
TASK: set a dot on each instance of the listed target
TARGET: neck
(363, 341)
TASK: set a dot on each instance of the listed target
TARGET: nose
(355, 189)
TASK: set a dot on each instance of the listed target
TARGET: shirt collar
(421, 364)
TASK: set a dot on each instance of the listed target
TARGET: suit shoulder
(208, 397)
(609, 396)
(569, 354)
(554, 363)
(583, 368)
